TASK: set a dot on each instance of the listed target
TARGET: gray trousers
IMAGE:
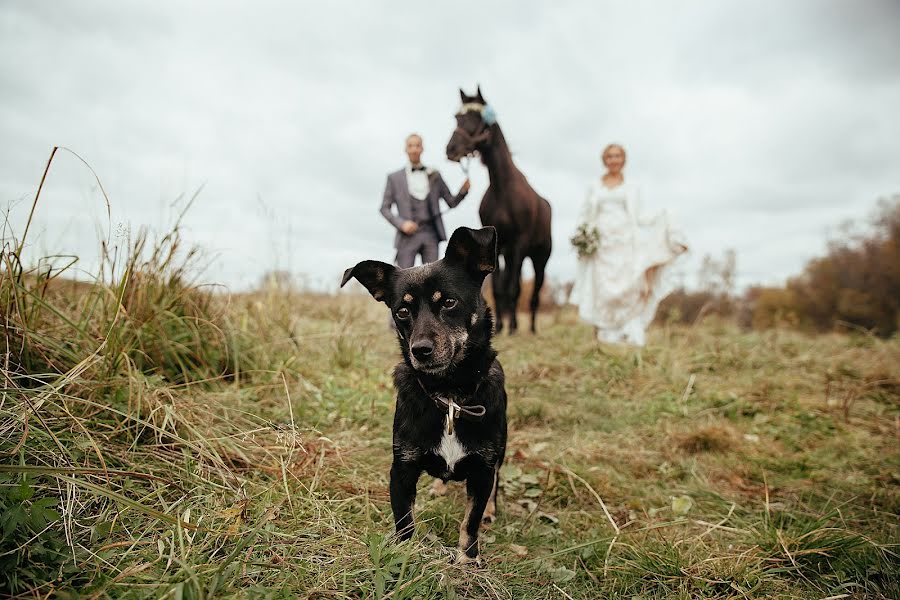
(422, 243)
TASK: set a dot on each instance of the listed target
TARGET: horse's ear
(462, 96)
(479, 96)
(377, 277)
(475, 249)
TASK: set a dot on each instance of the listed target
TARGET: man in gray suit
(415, 191)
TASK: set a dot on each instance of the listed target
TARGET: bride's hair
(610, 147)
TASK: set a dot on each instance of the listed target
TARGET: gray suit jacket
(396, 192)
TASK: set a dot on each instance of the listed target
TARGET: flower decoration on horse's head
(489, 115)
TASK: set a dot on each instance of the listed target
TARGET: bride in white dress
(618, 288)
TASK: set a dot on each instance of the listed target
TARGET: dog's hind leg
(490, 511)
(403, 496)
(478, 488)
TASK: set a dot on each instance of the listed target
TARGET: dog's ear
(377, 277)
(475, 249)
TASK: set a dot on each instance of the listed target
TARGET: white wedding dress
(618, 288)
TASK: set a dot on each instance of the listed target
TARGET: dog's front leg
(479, 486)
(404, 476)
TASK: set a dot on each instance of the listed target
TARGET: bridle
(472, 140)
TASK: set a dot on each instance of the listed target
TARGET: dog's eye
(403, 313)
(450, 303)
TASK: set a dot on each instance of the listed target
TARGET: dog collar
(454, 410)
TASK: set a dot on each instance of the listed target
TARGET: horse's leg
(539, 261)
(513, 286)
(497, 278)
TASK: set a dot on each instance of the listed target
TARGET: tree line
(855, 285)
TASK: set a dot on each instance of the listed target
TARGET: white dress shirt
(417, 182)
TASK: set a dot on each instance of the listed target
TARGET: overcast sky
(759, 125)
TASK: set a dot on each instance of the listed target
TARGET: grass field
(160, 441)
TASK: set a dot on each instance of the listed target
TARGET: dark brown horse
(510, 204)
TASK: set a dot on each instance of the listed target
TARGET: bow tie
(419, 168)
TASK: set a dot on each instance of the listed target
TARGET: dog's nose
(422, 349)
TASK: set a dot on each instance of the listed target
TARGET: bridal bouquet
(586, 240)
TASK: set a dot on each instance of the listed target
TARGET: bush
(686, 307)
(764, 308)
(714, 297)
(857, 282)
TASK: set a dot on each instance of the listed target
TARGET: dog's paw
(464, 559)
(488, 519)
(438, 488)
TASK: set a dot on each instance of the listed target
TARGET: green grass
(160, 440)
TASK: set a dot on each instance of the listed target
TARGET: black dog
(451, 402)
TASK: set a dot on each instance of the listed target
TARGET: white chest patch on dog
(450, 449)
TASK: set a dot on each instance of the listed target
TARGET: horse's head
(473, 126)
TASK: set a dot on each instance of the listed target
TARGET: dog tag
(452, 415)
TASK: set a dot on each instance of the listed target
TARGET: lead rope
(473, 140)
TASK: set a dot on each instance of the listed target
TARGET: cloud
(758, 124)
